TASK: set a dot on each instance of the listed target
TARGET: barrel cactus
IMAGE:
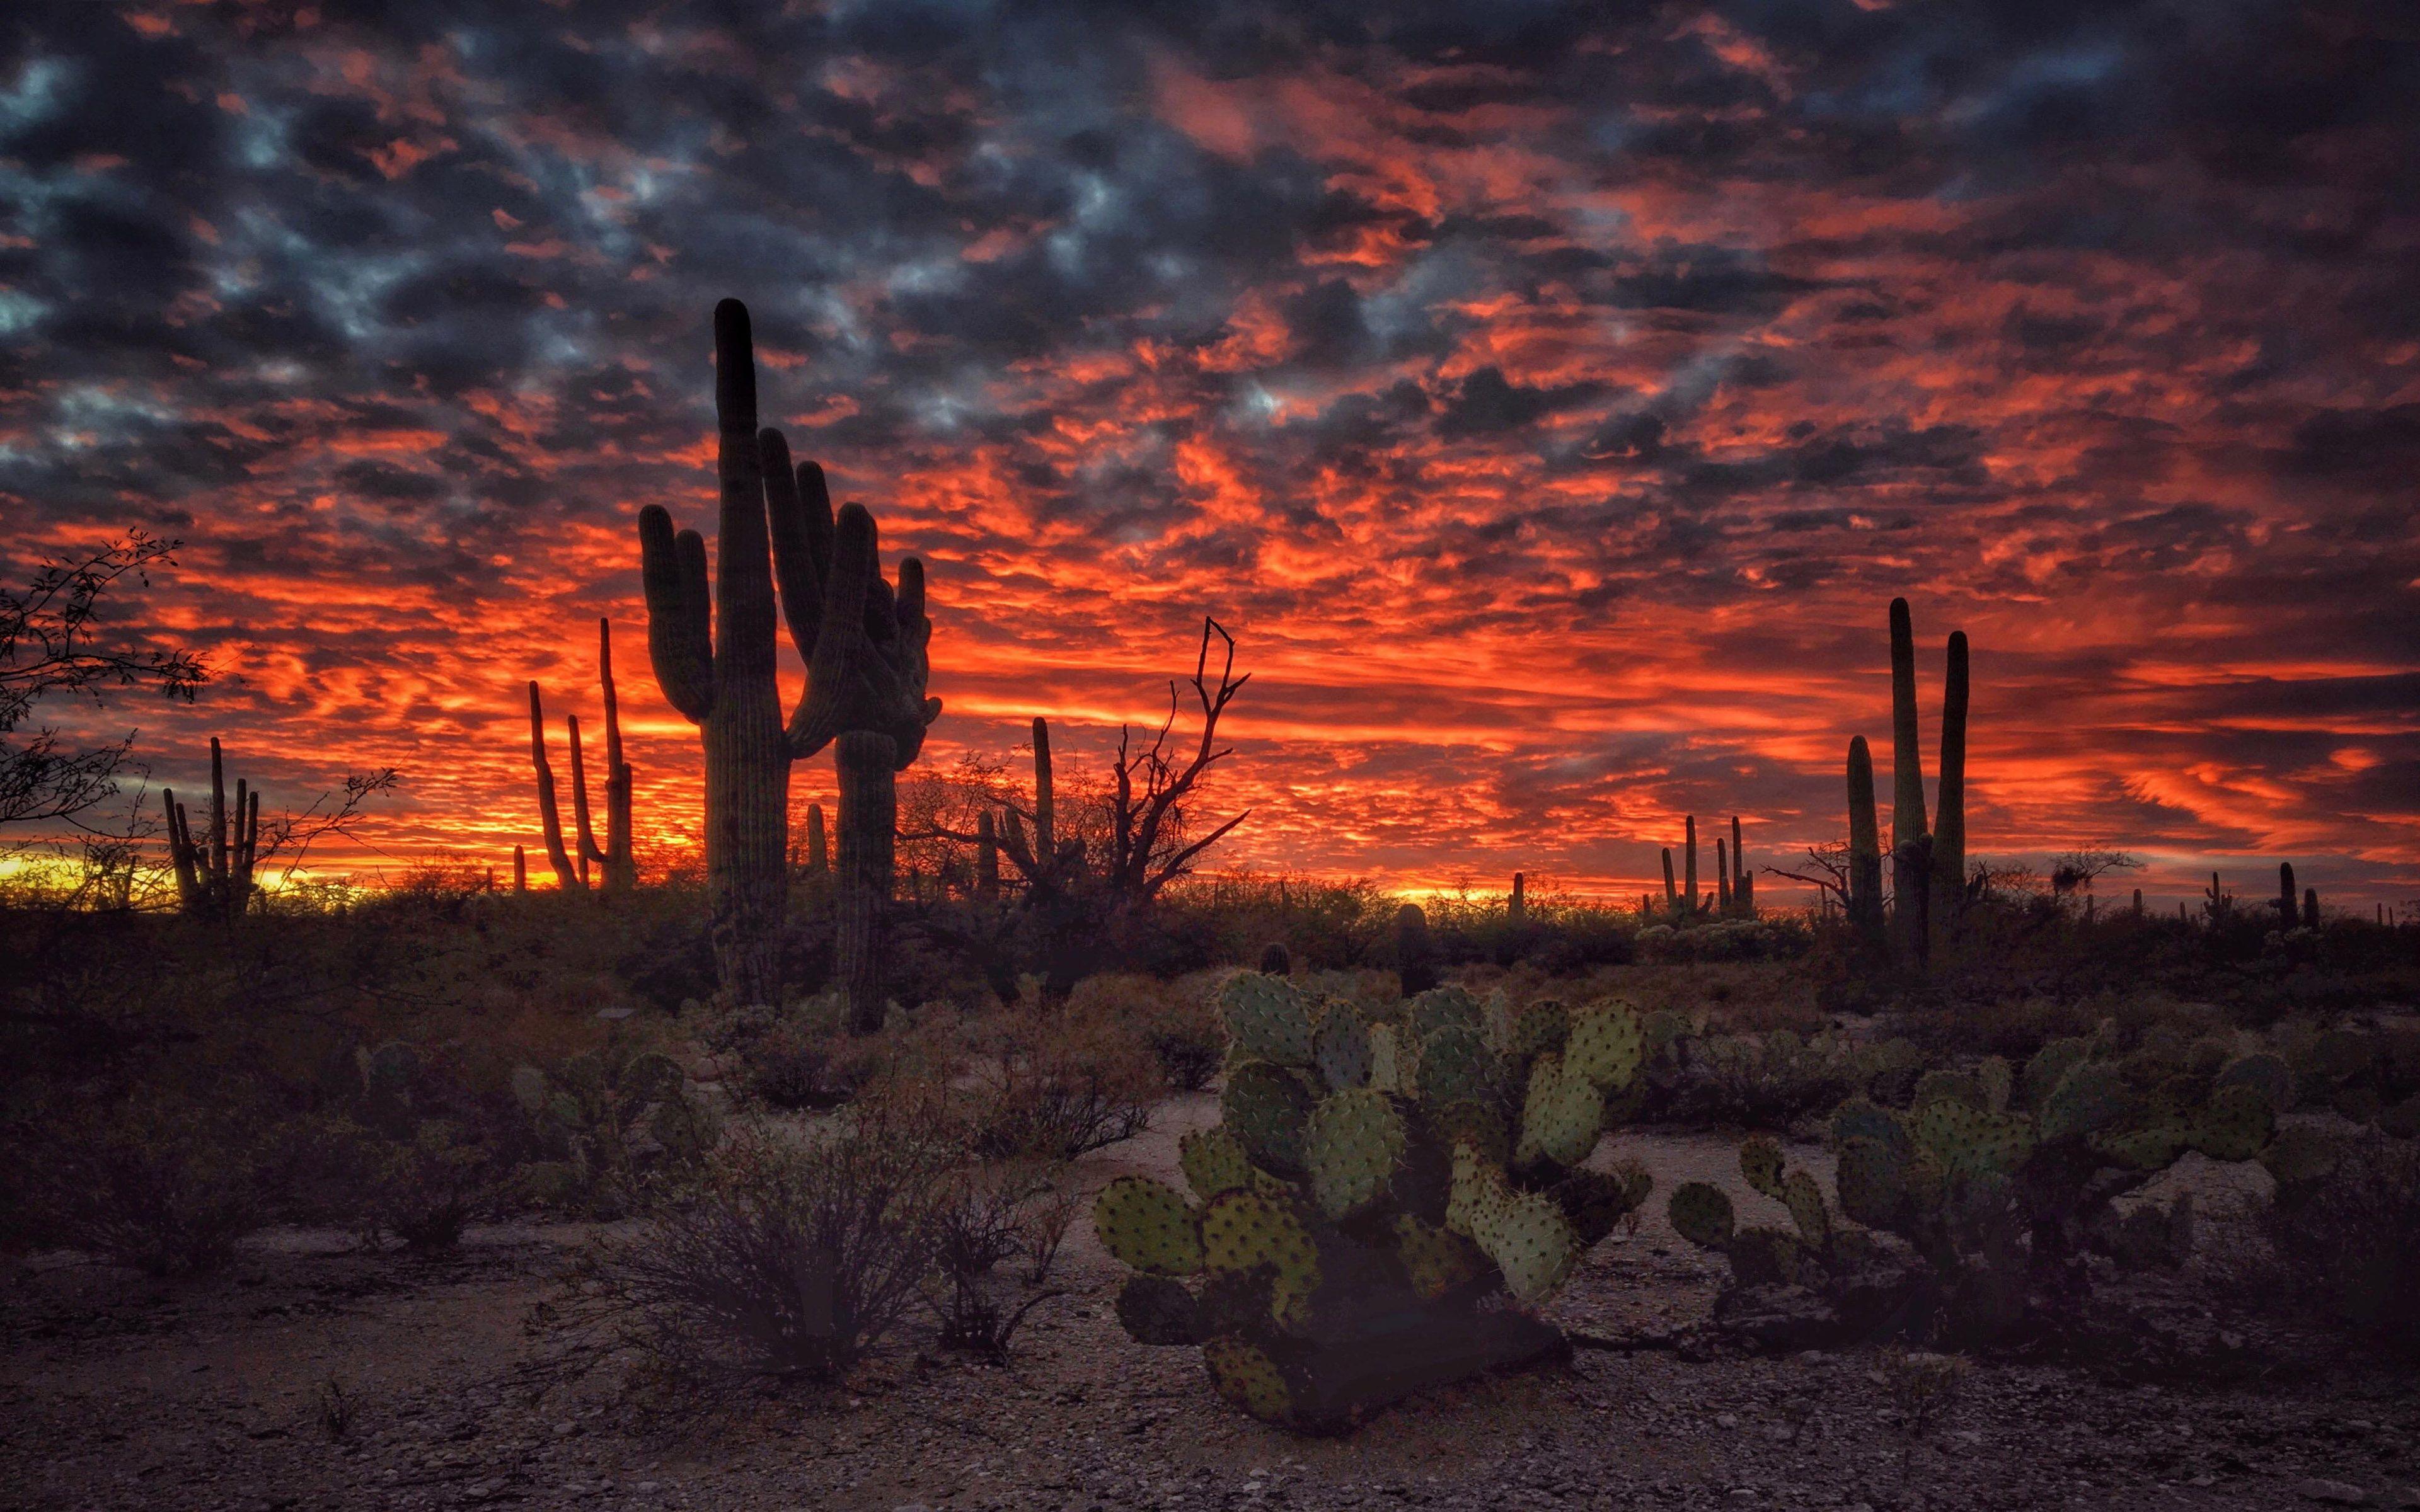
(1389, 1196)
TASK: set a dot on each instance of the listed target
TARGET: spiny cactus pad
(1535, 1028)
(1340, 1049)
(1386, 1059)
(1531, 1241)
(1456, 1063)
(1267, 1107)
(1156, 1310)
(1560, 1117)
(1479, 1187)
(1440, 1007)
(1701, 1214)
(1968, 1141)
(1468, 1121)
(1605, 1044)
(2236, 1124)
(1804, 1200)
(1997, 1081)
(1436, 1260)
(2263, 1072)
(1149, 1227)
(1353, 1144)
(1760, 1159)
(2090, 1096)
(1213, 1162)
(1267, 1018)
(1241, 1230)
(1247, 1378)
(1873, 1180)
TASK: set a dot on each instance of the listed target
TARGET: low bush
(157, 1183)
(2341, 1228)
(789, 1257)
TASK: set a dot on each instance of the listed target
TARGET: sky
(1550, 397)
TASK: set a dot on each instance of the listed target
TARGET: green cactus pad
(1804, 1200)
(1959, 1085)
(1535, 1028)
(1456, 1064)
(1701, 1214)
(1532, 1242)
(2236, 1124)
(1436, 1260)
(2261, 1070)
(1560, 1117)
(2142, 1150)
(1149, 1227)
(1874, 1181)
(1479, 1188)
(1468, 1121)
(1352, 1145)
(1759, 1161)
(1386, 1059)
(1156, 1310)
(1244, 1229)
(1995, 1077)
(1968, 1142)
(1605, 1044)
(2048, 1064)
(1596, 1201)
(1248, 1379)
(1266, 1018)
(2091, 1097)
(1266, 1109)
(1341, 1050)
(1442, 1007)
(1858, 1119)
(1759, 1256)
(1213, 1162)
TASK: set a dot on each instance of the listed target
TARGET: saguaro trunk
(1865, 846)
(869, 817)
(1949, 824)
(1911, 850)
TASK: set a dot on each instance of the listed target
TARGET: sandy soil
(119, 1392)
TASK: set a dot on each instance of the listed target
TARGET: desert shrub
(1767, 1081)
(992, 1217)
(155, 1182)
(1726, 939)
(1059, 1082)
(1176, 1022)
(2342, 1226)
(788, 1257)
(606, 1124)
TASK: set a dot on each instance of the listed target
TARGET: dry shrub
(791, 1256)
(996, 1215)
(156, 1183)
(2342, 1238)
(1061, 1085)
(1176, 1020)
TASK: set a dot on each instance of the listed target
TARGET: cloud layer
(1549, 396)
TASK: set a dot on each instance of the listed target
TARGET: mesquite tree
(865, 647)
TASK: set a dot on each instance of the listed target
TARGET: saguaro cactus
(1865, 845)
(214, 873)
(2285, 899)
(866, 672)
(818, 849)
(521, 868)
(1671, 888)
(1743, 880)
(567, 874)
(1689, 887)
(621, 870)
(1517, 908)
(986, 857)
(1911, 840)
(1722, 878)
(1415, 954)
(2310, 907)
(1949, 822)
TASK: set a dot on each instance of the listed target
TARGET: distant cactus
(1517, 908)
(1415, 954)
(521, 868)
(818, 849)
(1911, 839)
(1722, 878)
(986, 857)
(1865, 845)
(1949, 858)
(714, 657)
(567, 873)
(1689, 881)
(1671, 888)
(2288, 901)
(214, 872)
(1386, 1200)
(1275, 961)
(1743, 880)
(2310, 908)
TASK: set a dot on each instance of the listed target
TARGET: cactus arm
(589, 849)
(1864, 840)
(1044, 793)
(843, 678)
(218, 814)
(550, 819)
(915, 662)
(620, 872)
(1949, 822)
(794, 501)
(180, 852)
(672, 571)
(1907, 765)
(1689, 884)
(743, 604)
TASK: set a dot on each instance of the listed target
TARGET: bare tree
(1148, 845)
(49, 644)
(1826, 872)
(2074, 872)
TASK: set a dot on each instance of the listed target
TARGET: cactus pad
(1149, 1227)
(1386, 1059)
(1535, 1029)
(1456, 1063)
(1468, 1121)
(1266, 1018)
(1562, 1115)
(1759, 1161)
(1265, 1107)
(1701, 1214)
(1339, 1050)
(1531, 1241)
(1442, 1007)
(1436, 1260)
(1247, 1378)
(1213, 1162)
(1479, 1189)
(2264, 1073)
(1605, 1044)
(1997, 1082)
(1873, 1180)
(1353, 1144)
(1804, 1200)
(1241, 1230)
(2090, 1096)
(2237, 1122)
(1156, 1310)
(1968, 1142)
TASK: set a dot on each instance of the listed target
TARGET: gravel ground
(119, 1392)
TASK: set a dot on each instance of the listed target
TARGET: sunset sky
(1550, 397)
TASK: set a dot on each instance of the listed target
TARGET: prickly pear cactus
(607, 1126)
(1374, 1184)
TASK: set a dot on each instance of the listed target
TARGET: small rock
(1726, 1420)
(2334, 1492)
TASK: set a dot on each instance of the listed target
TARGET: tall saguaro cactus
(567, 874)
(214, 872)
(621, 871)
(1949, 821)
(1911, 839)
(1743, 880)
(865, 647)
(571, 862)
(1865, 845)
